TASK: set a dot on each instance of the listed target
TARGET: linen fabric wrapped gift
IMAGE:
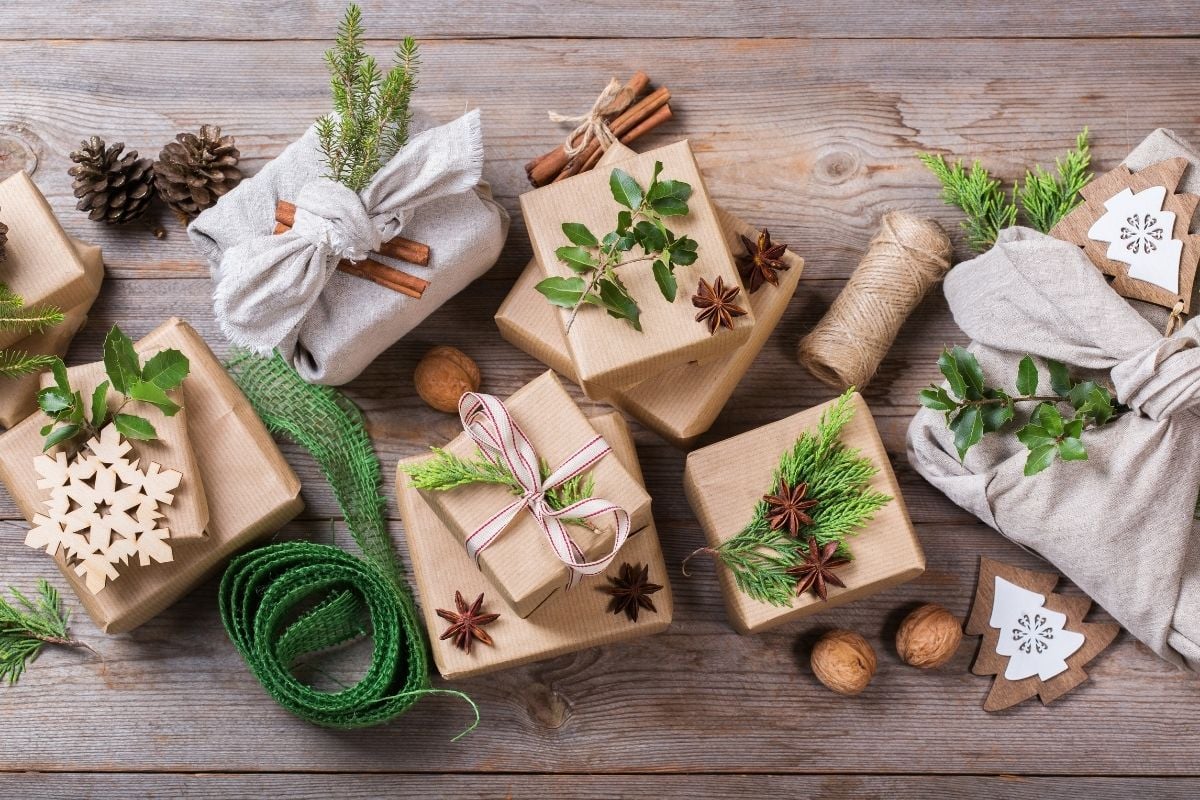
(284, 291)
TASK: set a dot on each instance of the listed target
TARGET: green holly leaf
(166, 369)
(1049, 417)
(650, 237)
(683, 251)
(564, 292)
(669, 198)
(968, 367)
(132, 426)
(53, 400)
(1060, 379)
(579, 234)
(577, 258)
(949, 367)
(1071, 449)
(624, 220)
(60, 435)
(1039, 459)
(149, 393)
(996, 415)
(59, 369)
(121, 362)
(968, 429)
(78, 410)
(616, 300)
(99, 404)
(1027, 377)
(665, 279)
(625, 189)
(1035, 436)
(937, 398)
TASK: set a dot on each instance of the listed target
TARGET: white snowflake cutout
(1139, 233)
(1032, 636)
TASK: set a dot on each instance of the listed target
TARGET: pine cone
(3, 240)
(193, 172)
(111, 187)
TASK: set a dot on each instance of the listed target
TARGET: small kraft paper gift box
(724, 483)
(681, 403)
(520, 562)
(609, 353)
(45, 267)
(568, 621)
(235, 487)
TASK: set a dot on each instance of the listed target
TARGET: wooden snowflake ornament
(1034, 641)
(1135, 228)
(103, 509)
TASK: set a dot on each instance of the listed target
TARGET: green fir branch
(17, 363)
(1045, 197)
(15, 316)
(28, 625)
(838, 477)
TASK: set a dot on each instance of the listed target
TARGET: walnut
(928, 637)
(843, 661)
(444, 375)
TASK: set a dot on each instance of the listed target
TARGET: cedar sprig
(28, 625)
(1048, 197)
(838, 477)
(372, 109)
(15, 315)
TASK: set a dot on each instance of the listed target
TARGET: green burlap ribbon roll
(284, 601)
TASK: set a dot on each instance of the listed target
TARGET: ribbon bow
(268, 283)
(613, 100)
(501, 440)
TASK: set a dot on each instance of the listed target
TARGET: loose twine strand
(905, 259)
(612, 101)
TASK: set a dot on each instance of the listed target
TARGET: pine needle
(16, 363)
(1047, 198)
(838, 477)
(978, 194)
(27, 625)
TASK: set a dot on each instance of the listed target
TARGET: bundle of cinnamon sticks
(641, 117)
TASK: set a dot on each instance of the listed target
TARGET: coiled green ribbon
(286, 600)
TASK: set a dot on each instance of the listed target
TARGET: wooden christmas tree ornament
(1135, 228)
(1034, 641)
(103, 509)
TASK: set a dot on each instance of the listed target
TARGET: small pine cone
(111, 187)
(3, 240)
(193, 172)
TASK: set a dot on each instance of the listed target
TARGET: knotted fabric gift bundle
(284, 291)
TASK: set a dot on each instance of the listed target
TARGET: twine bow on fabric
(501, 440)
(612, 101)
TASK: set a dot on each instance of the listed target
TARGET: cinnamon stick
(542, 169)
(621, 126)
(648, 124)
(380, 274)
(398, 248)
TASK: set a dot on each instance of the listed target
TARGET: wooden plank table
(805, 120)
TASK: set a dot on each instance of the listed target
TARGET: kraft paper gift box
(725, 481)
(246, 485)
(44, 266)
(608, 353)
(520, 563)
(568, 621)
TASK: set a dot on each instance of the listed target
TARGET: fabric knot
(333, 218)
(1163, 378)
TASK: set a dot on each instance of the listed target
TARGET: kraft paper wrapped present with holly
(233, 487)
(662, 234)
(631, 599)
(46, 268)
(681, 403)
(501, 491)
(802, 515)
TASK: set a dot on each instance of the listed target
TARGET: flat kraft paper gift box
(725, 481)
(250, 490)
(520, 563)
(565, 623)
(683, 402)
(607, 352)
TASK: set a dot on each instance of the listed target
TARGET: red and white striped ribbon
(501, 440)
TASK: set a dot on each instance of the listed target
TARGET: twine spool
(905, 259)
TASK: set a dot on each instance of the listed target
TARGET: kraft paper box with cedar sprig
(467, 493)
(50, 278)
(236, 485)
(763, 497)
(629, 253)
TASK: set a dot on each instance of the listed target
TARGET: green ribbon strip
(286, 600)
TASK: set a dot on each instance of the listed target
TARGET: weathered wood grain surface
(805, 119)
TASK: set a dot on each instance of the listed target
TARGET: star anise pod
(631, 590)
(467, 624)
(762, 261)
(788, 508)
(716, 305)
(816, 571)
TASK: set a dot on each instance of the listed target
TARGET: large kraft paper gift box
(520, 564)
(683, 402)
(245, 487)
(607, 352)
(568, 621)
(724, 482)
(44, 266)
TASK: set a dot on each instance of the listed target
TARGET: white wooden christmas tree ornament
(103, 509)
(1034, 638)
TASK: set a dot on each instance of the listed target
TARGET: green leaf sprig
(973, 408)
(14, 315)
(639, 224)
(372, 109)
(28, 625)
(1045, 197)
(149, 383)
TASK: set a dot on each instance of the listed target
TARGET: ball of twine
(905, 259)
